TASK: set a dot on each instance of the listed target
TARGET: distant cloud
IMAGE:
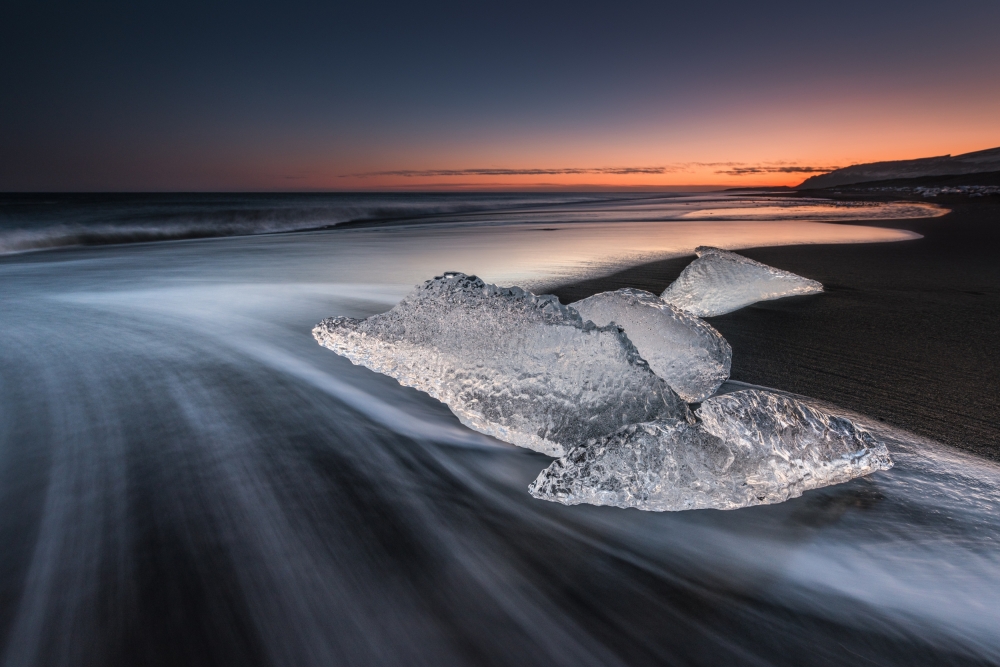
(765, 169)
(749, 169)
(728, 168)
(409, 173)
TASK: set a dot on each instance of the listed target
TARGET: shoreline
(89, 232)
(904, 332)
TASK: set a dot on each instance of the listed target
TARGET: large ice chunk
(685, 351)
(720, 282)
(751, 448)
(520, 367)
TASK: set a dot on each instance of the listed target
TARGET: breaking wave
(31, 222)
(39, 222)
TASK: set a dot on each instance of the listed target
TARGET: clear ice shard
(752, 447)
(522, 368)
(720, 282)
(685, 351)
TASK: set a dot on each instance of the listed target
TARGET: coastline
(904, 333)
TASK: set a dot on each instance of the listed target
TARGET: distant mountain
(986, 179)
(945, 165)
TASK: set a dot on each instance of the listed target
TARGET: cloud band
(733, 169)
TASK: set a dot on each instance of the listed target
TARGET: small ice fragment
(520, 367)
(685, 351)
(752, 448)
(720, 282)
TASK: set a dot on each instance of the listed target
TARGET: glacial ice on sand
(522, 368)
(685, 351)
(720, 282)
(751, 447)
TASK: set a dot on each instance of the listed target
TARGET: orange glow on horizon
(766, 147)
(781, 166)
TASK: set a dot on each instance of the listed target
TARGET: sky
(209, 96)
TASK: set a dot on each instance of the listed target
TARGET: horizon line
(416, 189)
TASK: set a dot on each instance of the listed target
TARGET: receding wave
(187, 478)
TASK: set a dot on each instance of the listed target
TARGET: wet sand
(906, 332)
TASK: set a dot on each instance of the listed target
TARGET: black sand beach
(187, 478)
(906, 332)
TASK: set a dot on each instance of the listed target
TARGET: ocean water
(186, 478)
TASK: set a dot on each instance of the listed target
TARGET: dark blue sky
(279, 95)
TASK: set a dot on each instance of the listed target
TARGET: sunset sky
(412, 96)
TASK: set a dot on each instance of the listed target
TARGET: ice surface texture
(751, 448)
(520, 367)
(720, 282)
(685, 351)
